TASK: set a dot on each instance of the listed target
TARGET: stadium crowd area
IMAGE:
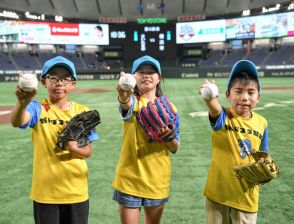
(261, 56)
(92, 61)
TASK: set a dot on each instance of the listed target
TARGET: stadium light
(271, 9)
(291, 6)
(58, 18)
(161, 6)
(246, 12)
(9, 14)
(35, 17)
(140, 6)
(150, 6)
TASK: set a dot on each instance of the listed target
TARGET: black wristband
(123, 102)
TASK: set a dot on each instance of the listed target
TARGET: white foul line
(5, 112)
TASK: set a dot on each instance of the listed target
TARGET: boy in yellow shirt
(60, 177)
(236, 132)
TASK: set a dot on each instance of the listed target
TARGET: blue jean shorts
(130, 201)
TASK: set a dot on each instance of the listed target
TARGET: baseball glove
(155, 116)
(78, 128)
(261, 171)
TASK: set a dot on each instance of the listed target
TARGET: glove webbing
(78, 128)
(261, 171)
(166, 106)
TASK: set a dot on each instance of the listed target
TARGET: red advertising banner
(64, 29)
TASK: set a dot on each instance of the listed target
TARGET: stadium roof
(130, 9)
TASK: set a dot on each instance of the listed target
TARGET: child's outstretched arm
(124, 97)
(209, 92)
(19, 115)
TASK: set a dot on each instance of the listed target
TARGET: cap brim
(145, 63)
(61, 64)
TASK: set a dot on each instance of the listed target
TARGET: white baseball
(27, 82)
(127, 81)
(209, 91)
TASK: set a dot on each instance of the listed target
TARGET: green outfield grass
(189, 165)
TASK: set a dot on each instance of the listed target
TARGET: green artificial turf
(189, 165)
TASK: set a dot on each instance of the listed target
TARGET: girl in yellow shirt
(143, 171)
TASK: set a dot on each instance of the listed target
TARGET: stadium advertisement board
(54, 33)
(269, 26)
(240, 28)
(263, 26)
(290, 23)
(204, 31)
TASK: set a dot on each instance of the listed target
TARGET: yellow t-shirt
(144, 168)
(59, 177)
(231, 136)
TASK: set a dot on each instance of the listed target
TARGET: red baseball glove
(156, 116)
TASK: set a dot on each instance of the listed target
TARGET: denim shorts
(130, 201)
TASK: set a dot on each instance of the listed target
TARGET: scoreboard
(156, 40)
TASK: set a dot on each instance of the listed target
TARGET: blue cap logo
(59, 61)
(146, 60)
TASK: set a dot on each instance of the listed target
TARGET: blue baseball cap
(146, 60)
(244, 66)
(59, 61)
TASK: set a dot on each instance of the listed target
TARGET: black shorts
(61, 213)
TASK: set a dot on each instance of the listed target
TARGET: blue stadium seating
(233, 56)
(25, 61)
(281, 56)
(261, 56)
(258, 55)
(6, 62)
(213, 58)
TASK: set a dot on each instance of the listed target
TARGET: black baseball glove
(79, 128)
